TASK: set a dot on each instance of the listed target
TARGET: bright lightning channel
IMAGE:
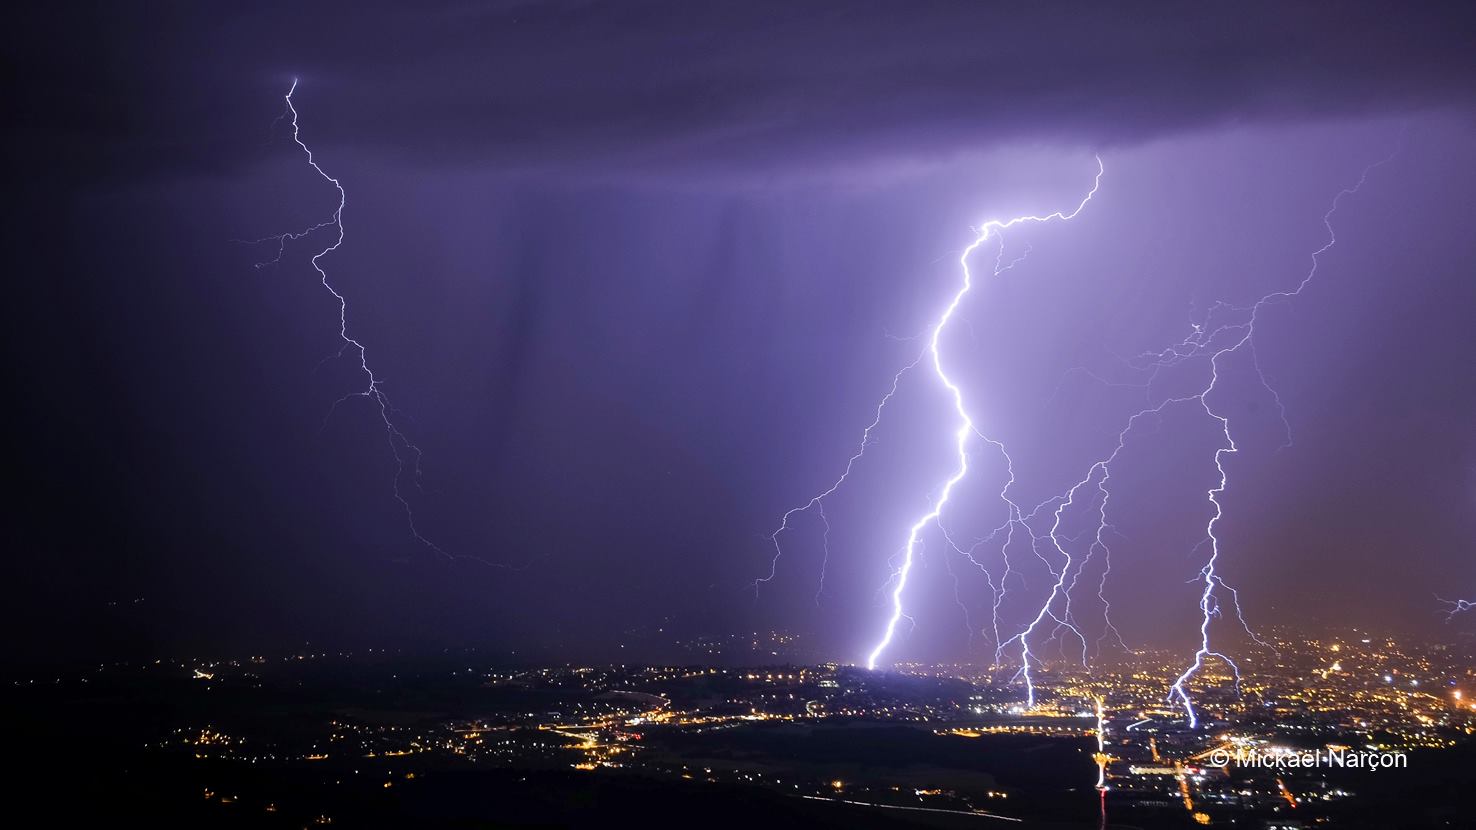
(966, 427)
(1211, 339)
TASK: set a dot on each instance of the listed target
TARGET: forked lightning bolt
(1220, 343)
(818, 501)
(1456, 606)
(965, 432)
(405, 453)
(1226, 331)
(966, 428)
(1212, 341)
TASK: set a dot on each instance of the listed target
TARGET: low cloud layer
(653, 84)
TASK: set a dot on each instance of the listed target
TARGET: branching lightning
(966, 429)
(816, 502)
(1214, 341)
(1225, 331)
(1456, 606)
(406, 454)
(1240, 336)
(963, 436)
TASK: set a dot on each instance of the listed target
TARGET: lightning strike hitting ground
(1225, 331)
(1241, 336)
(1213, 343)
(405, 453)
(966, 429)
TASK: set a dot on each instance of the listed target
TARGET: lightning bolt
(966, 428)
(816, 502)
(1215, 341)
(406, 454)
(1099, 473)
(1456, 606)
(1240, 336)
(1224, 332)
(992, 230)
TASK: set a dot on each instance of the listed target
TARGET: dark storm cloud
(764, 84)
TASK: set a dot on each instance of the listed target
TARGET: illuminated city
(257, 735)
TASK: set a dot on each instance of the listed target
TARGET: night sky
(636, 274)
